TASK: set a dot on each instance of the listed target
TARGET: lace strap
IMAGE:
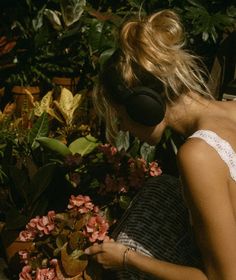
(223, 148)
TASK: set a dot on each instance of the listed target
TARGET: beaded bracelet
(125, 257)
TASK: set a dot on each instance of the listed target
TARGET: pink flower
(42, 225)
(46, 274)
(96, 228)
(32, 224)
(82, 203)
(108, 150)
(51, 216)
(154, 169)
(27, 235)
(46, 224)
(25, 273)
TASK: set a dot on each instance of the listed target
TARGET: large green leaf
(40, 207)
(84, 145)
(41, 181)
(54, 145)
(40, 129)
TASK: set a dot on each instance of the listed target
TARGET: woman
(152, 83)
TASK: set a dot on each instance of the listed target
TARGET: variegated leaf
(61, 111)
(53, 114)
(53, 17)
(43, 105)
(66, 100)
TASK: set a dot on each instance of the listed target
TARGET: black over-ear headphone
(143, 104)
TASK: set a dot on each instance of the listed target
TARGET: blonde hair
(156, 44)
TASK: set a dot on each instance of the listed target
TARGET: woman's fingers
(92, 250)
(108, 239)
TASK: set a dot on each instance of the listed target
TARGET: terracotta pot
(24, 100)
(69, 83)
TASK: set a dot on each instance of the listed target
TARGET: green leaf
(72, 10)
(147, 152)
(39, 207)
(21, 183)
(39, 129)
(54, 145)
(122, 140)
(83, 145)
(134, 148)
(37, 22)
(124, 201)
(105, 55)
(195, 3)
(41, 181)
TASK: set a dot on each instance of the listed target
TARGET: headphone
(144, 105)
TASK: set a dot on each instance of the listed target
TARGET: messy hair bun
(156, 44)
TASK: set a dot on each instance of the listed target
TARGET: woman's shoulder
(198, 154)
(193, 148)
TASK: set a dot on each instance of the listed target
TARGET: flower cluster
(59, 240)
(113, 171)
(38, 226)
(110, 176)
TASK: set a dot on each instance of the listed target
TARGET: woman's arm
(209, 190)
(114, 255)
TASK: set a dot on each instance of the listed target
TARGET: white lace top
(223, 148)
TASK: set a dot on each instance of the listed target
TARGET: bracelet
(125, 257)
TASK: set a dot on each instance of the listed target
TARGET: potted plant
(29, 53)
(59, 241)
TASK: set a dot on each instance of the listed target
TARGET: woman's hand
(109, 254)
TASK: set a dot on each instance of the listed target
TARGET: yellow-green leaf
(54, 145)
(43, 105)
(83, 145)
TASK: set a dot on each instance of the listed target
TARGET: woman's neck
(185, 115)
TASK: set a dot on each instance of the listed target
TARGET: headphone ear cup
(145, 106)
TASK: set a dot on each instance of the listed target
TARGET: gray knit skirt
(157, 224)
